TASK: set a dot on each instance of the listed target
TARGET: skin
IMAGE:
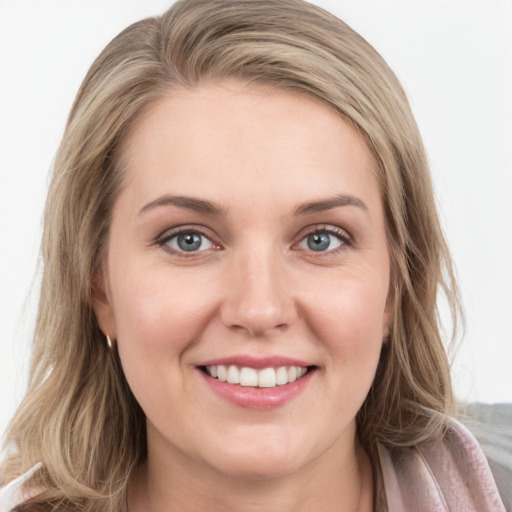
(254, 288)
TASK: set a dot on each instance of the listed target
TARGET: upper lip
(255, 362)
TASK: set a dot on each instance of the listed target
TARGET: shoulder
(491, 425)
(16, 492)
(448, 474)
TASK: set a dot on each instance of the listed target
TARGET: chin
(257, 461)
(258, 468)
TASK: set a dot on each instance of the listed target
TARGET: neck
(344, 484)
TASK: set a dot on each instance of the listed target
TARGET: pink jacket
(449, 475)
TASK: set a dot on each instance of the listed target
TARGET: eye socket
(323, 240)
(188, 242)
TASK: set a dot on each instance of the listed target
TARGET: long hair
(79, 417)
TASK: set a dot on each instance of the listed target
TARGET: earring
(109, 342)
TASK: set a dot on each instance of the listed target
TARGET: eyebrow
(328, 204)
(208, 208)
(189, 203)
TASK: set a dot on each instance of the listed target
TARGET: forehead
(226, 138)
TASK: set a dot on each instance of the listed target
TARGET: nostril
(258, 305)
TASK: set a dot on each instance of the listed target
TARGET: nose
(259, 299)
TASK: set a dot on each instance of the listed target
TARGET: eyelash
(337, 232)
(340, 234)
(164, 240)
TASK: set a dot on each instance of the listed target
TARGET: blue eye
(189, 241)
(321, 241)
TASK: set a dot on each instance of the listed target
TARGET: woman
(241, 261)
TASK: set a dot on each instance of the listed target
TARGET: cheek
(350, 318)
(162, 305)
(158, 316)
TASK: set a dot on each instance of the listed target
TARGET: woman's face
(248, 243)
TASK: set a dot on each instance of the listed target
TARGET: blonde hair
(79, 417)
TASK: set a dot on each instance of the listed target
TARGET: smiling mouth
(251, 377)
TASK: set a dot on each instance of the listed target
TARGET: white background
(454, 58)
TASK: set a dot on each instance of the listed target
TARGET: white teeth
(248, 377)
(265, 378)
(281, 376)
(222, 373)
(233, 375)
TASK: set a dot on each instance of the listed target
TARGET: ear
(387, 321)
(102, 305)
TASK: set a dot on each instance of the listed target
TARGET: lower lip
(257, 398)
